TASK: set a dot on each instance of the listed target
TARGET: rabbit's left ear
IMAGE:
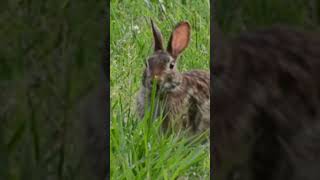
(157, 37)
(179, 39)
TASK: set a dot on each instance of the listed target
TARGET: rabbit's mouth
(168, 86)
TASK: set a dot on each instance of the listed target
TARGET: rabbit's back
(267, 91)
(269, 64)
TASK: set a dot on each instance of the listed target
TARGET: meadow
(137, 148)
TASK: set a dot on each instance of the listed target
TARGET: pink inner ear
(180, 39)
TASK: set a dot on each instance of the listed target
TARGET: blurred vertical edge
(106, 66)
(212, 54)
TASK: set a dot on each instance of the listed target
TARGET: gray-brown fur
(185, 96)
(266, 109)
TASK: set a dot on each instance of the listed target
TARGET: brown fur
(266, 107)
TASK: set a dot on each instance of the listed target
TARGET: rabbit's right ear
(157, 37)
(179, 39)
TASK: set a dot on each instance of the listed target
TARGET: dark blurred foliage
(50, 59)
(233, 16)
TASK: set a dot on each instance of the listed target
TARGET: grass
(138, 149)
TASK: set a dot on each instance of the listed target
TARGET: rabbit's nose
(156, 77)
(156, 80)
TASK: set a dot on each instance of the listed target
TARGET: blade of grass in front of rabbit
(154, 100)
(161, 116)
(156, 107)
(148, 127)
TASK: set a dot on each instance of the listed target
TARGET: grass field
(138, 149)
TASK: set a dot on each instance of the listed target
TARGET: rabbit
(185, 97)
(266, 105)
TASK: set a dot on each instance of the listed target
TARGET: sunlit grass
(139, 149)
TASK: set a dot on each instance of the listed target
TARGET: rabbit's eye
(171, 65)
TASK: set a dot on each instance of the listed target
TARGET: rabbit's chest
(184, 110)
(178, 109)
(176, 103)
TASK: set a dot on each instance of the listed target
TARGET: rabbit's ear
(179, 39)
(157, 37)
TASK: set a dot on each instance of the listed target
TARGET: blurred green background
(50, 57)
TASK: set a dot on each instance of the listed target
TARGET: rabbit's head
(161, 65)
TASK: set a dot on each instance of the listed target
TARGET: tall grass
(138, 148)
